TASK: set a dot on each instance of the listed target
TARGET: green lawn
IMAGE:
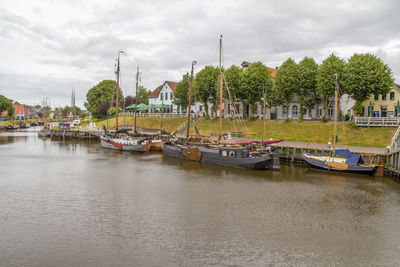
(305, 131)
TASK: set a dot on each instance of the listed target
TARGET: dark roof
(396, 87)
(156, 91)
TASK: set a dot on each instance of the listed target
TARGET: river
(68, 203)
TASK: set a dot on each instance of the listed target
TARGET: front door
(384, 111)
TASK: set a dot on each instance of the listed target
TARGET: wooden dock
(75, 134)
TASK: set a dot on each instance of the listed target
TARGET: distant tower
(73, 108)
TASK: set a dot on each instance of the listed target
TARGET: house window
(376, 97)
(283, 110)
(232, 154)
(295, 111)
(200, 108)
(161, 96)
(383, 96)
(330, 111)
(166, 96)
(319, 112)
(255, 109)
(391, 95)
(171, 95)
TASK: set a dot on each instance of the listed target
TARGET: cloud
(49, 47)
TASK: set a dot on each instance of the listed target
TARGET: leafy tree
(104, 107)
(181, 96)
(206, 86)
(65, 111)
(100, 93)
(129, 100)
(365, 74)
(6, 105)
(233, 77)
(287, 82)
(326, 80)
(143, 95)
(307, 94)
(256, 80)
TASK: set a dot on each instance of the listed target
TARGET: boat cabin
(233, 152)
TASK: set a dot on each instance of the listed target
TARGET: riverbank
(305, 131)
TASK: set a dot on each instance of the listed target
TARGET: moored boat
(344, 161)
(240, 157)
(124, 144)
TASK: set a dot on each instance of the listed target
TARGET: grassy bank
(306, 131)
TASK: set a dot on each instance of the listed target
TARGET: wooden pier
(75, 134)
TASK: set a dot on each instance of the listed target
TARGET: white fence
(377, 121)
(158, 115)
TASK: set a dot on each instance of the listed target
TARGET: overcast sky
(47, 48)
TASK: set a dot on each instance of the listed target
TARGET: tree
(129, 100)
(6, 105)
(100, 93)
(287, 82)
(307, 94)
(65, 110)
(206, 86)
(365, 74)
(326, 80)
(256, 80)
(181, 96)
(143, 95)
(234, 79)
(104, 107)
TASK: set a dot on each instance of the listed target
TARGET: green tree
(6, 105)
(102, 92)
(142, 95)
(181, 96)
(366, 74)
(287, 82)
(233, 77)
(256, 80)
(206, 86)
(326, 80)
(65, 110)
(307, 94)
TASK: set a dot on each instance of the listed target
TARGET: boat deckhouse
(164, 94)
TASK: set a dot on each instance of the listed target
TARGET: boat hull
(213, 157)
(110, 143)
(351, 168)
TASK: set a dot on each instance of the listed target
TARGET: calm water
(76, 204)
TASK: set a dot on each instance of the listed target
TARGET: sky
(49, 48)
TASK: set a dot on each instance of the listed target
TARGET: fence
(377, 121)
(158, 115)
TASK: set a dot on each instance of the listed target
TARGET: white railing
(377, 121)
(158, 115)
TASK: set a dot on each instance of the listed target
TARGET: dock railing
(377, 121)
(157, 115)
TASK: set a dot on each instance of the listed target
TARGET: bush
(251, 118)
(206, 118)
(288, 120)
(324, 119)
(347, 117)
(354, 126)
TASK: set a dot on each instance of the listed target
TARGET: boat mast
(220, 87)
(334, 123)
(265, 100)
(116, 106)
(136, 95)
(190, 100)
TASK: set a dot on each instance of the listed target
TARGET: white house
(164, 94)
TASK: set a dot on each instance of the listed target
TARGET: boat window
(232, 154)
(224, 153)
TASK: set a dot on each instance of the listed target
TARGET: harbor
(155, 210)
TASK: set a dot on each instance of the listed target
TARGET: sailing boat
(342, 160)
(119, 141)
(229, 155)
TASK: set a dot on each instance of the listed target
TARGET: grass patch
(304, 131)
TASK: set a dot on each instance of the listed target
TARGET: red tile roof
(273, 71)
(156, 91)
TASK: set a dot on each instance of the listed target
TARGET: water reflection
(74, 203)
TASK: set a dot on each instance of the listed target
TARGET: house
(383, 105)
(22, 111)
(164, 94)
